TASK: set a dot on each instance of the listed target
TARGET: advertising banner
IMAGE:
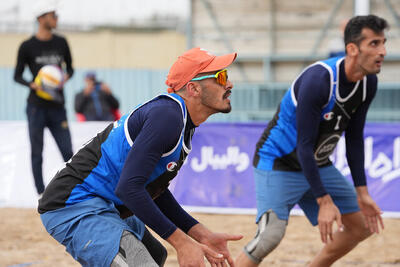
(218, 173)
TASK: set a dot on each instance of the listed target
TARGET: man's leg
(58, 126)
(270, 232)
(343, 242)
(132, 253)
(276, 193)
(36, 124)
(155, 248)
(345, 198)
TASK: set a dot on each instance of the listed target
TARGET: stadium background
(274, 40)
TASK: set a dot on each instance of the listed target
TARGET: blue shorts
(281, 190)
(91, 230)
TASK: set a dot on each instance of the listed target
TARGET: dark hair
(352, 32)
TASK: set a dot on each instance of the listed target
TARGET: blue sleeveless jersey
(276, 149)
(94, 171)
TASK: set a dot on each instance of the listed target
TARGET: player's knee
(132, 252)
(155, 248)
(270, 232)
(161, 257)
(356, 228)
(359, 233)
(119, 260)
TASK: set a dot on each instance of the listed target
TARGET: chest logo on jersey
(328, 116)
(172, 166)
(326, 147)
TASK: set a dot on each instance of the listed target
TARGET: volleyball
(51, 79)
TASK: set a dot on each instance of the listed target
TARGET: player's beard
(209, 100)
(368, 65)
(229, 108)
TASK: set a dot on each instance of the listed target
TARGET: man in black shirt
(45, 48)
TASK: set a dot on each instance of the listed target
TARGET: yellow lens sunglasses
(221, 76)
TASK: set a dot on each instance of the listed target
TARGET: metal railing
(250, 102)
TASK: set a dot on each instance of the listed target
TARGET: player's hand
(65, 79)
(189, 252)
(105, 88)
(371, 212)
(219, 242)
(35, 86)
(328, 213)
(213, 257)
(193, 253)
(190, 255)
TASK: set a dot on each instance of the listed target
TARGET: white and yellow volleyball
(51, 79)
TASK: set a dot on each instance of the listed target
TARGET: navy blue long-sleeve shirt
(155, 129)
(312, 93)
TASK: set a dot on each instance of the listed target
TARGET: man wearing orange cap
(126, 169)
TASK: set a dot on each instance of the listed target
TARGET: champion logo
(171, 166)
(328, 116)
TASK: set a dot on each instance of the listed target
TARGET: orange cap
(193, 62)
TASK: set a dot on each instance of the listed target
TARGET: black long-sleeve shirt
(98, 106)
(35, 54)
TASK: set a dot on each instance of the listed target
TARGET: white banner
(17, 188)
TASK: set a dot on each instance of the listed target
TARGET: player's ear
(193, 88)
(352, 49)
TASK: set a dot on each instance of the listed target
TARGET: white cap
(42, 7)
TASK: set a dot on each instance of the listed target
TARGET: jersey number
(339, 117)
